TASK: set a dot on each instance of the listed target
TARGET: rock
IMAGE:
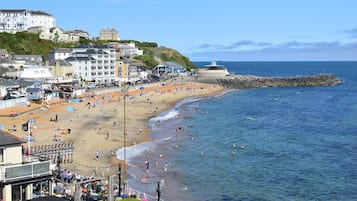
(244, 82)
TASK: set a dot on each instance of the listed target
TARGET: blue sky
(226, 30)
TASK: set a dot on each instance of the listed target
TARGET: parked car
(138, 81)
(154, 78)
(92, 86)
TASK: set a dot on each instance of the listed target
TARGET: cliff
(244, 82)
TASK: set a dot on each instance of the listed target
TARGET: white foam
(170, 114)
(134, 150)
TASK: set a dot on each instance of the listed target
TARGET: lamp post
(119, 175)
(158, 191)
(124, 128)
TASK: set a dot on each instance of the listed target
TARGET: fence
(13, 102)
(57, 153)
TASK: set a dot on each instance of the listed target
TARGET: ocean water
(257, 144)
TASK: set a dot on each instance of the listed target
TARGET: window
(1, 155)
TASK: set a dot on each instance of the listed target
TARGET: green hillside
(28, 43)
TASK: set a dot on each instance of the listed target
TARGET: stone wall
(244, 82)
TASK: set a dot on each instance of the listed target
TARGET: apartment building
(13, 21)
(94, 63)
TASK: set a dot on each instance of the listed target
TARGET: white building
(13, 21)
(126, 49)
(31, 72)
(59, 54)
(94, 63)
(57, 34)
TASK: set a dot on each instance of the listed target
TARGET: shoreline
(159, 152)
(90, 127)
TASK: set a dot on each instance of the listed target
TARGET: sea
(289, 143)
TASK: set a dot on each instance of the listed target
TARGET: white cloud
(291, 50)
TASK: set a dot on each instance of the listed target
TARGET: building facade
(126, 50)
(59, 54)
(94, 63)
(169, 69)
(109, 34)
(13, 21)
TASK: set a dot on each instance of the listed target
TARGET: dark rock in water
(248, 81)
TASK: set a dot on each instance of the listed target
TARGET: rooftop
(8, 139)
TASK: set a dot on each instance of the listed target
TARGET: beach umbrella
(69, 108)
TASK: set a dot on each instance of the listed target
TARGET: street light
(124, 127)
(158, 191)
(119, 175)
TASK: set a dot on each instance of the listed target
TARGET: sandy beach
(97, 123)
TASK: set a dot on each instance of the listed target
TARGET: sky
(224, 30)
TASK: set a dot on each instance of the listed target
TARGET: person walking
(97, 155)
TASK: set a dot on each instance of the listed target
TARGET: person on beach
(97, 155)
(146, 164)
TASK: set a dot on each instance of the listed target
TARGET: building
(212, 70)
(29, 59)
(169, 69)
(38, 22)
(20, 174)
(131, 70)
(31, 72)
(57, 34)
(109, 34)
(75, 35)
(4, 56)
(13, 21)
(61, 69)
(126, 50)
(94, 63)
(123, 71)
(59, 54)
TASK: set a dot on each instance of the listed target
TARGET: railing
(15, 172)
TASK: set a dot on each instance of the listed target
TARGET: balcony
(14, 172)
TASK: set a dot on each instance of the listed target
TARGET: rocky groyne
(248, 81)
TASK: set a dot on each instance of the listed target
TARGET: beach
(96, 124)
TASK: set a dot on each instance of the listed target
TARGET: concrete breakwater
(248, 81)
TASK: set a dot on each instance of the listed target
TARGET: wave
(134, 151)
(171, 113)
(137, 150)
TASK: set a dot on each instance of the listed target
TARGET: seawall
(248, 81)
